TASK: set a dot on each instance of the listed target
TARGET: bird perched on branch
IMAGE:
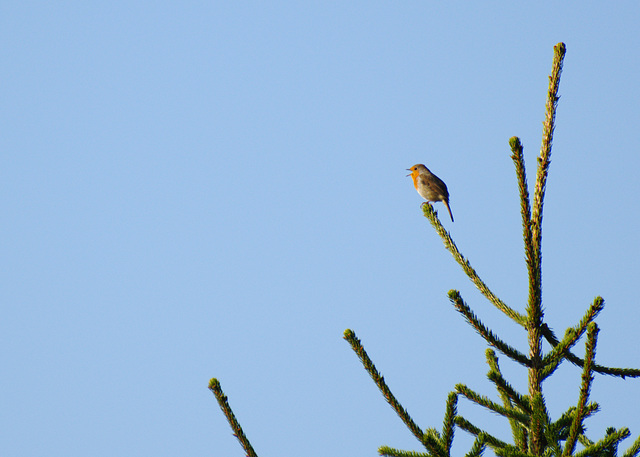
(429, 186)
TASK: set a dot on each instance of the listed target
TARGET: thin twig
(214, 386)
(431, 214)
(356, 345)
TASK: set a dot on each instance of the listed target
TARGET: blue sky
(217, 189)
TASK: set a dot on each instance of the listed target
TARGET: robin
(429, 186)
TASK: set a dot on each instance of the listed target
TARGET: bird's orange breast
(414, 176)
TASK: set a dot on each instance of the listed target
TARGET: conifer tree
(534, 432)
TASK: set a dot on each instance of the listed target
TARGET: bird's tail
(446, 203)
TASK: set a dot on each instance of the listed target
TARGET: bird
(429, 186)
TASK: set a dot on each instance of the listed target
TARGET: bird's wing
(436, 185)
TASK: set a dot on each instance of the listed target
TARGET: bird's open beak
(409, 169)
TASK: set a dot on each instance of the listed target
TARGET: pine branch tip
(514, 143)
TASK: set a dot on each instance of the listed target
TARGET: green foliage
(534, 432)
(214, 386)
